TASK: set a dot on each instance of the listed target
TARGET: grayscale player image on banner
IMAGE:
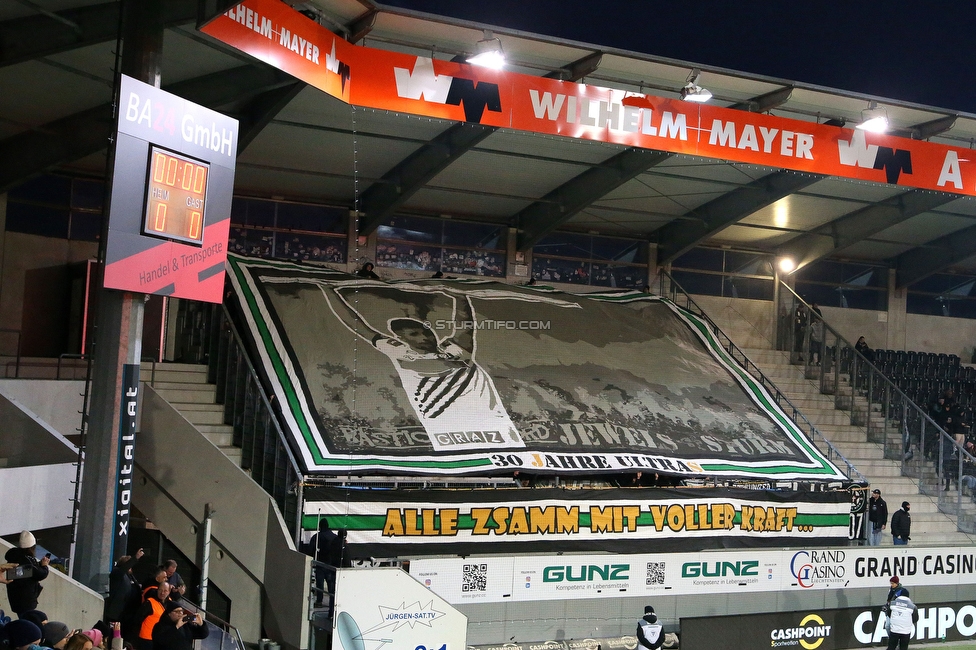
(481, 377)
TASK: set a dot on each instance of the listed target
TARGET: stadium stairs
(930, 526)
(185, 387)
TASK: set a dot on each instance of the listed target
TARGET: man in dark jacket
(176, 629)
(650, 633)
(877, 517)
(901, 525)
(124, 594)
(23, 592)
(326, 547)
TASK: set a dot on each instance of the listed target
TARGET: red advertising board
(172, 187)
(273, 32)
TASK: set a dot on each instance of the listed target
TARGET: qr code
(474, 577)
(655, 573)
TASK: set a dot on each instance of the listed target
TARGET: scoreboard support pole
(117, 344)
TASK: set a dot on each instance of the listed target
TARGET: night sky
(920, 52)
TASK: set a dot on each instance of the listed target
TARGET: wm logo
(423, 84)
(858, 153)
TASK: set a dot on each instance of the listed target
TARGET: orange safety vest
(145, 632)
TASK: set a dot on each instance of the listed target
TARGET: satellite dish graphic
(350, 636)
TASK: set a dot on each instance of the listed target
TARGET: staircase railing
(211, 337)
(907, 432)
(670, 289)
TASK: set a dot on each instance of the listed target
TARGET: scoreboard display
(172, 187)
(176, 197)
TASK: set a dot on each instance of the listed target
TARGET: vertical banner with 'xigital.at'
(127, 447)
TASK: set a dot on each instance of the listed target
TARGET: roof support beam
(921, 262)
(558, 206)
(677, 237)
(363, 25)
(577, 69)
(860, 224)
(926, 130)
(32, 37)
(765, 102)
(385, 196)
(33, 152)
(261, 110)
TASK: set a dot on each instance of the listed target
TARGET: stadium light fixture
(874, 119)
(786, 264)
(488, 52)
(692, 92)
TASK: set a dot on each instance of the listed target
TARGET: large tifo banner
(479, 377)
(824, 629)
(404, 522)
(275, 33)
(732, 571)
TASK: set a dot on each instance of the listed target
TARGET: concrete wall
(23, 257)
(57, 403)
(178, 472)
(37, 497)
(27, 440)
(749, 323)
(63, 599)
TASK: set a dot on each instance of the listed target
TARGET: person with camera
(24, 586)
(177, 629)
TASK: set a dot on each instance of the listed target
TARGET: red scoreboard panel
(172, 187)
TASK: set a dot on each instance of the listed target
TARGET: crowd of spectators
(147, 615)
(420, 258)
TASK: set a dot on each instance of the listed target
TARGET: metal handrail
(900, 446)
(224, 319)
(816, 436)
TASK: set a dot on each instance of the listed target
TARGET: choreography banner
(275, 33)
(444, 521)
(532, 578)
(480, 377)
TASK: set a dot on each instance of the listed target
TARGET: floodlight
(692, 92)
(786, 264)
(488, 52)
(874, 119)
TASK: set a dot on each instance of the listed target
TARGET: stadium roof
(56, 68)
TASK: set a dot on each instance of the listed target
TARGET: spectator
(79, 641)
(176, 630)
(148, 614)
(35, 616)
(156, 578)
(969, 470)
(895, 589)
(950, 461)
(55, 634)
(124, 593)
(799, 327)
(325, 546)
(901, 525)
(877, 517)
(862, 347)
(816, 341)
(367, 271)
(95, 636)
(22, 634)
(23, 592)
(172, 575)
